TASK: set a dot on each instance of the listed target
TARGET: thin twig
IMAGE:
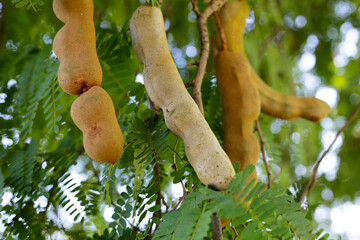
(175, 152)
(95, 171)
(204, 54)
(165, 203)
(158, 184)
(262, 142)
(236, 233)
(181, 199)
(196, 63)
(223, 45)
(195, 7)
(312, 179)
(176, 168)
(216, 225)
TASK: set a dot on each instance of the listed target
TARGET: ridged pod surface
(166, 89)
(233, 16)
(75, 46)
(94, 114)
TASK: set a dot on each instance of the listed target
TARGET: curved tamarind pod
(233, 16)
(240, 102)
(241, 107)
(94, 114)
(289, 107)
(75, 46)
(166, 89)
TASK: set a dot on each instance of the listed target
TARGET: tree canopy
(51, 189)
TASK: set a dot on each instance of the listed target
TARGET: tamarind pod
(233, 18)
(241, 105)
(65, 10)
(75, 46)
(166, 89)
(289, 107)
(94, 114)
(240, 102)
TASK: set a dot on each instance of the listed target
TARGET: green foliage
(21, 169)
(28, 3)
(271, 215)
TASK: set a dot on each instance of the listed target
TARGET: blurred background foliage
(49, 187)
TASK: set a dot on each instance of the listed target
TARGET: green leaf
(121, 202)
(156, 220)
(129, 190)
(22, 3)
(170, 221)
(122, 223)
(155, 208)
(113, 224)
(125, 195)
(118, 210)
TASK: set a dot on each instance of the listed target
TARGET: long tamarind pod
(233, 16)
(166, 89)
(241, 105)
(75, 46)
(240, 102)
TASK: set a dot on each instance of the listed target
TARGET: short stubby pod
(94, 114)
(75, 46)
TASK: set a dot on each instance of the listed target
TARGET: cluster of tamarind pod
(80, 73)
(244, 94)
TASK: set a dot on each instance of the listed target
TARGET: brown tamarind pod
(166, 89)
(75, 46)
(94, 114)
(240, 103)
(233, 16)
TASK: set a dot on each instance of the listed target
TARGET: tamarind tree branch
(312, 179)
(216, 225)
(205, 46)
(262, 143)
